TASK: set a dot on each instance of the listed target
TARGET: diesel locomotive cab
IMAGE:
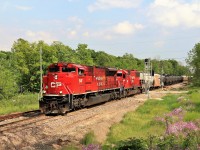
(56, 93)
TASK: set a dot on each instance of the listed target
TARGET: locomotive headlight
(60, 92)
(56, 77)
(44, 92)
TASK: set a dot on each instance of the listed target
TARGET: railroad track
(27, 123)
(31, 113)
(11, 119)
(29, 120)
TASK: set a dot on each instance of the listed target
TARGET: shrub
(132, 143)
(89, 138)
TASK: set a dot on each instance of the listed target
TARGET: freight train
(70, 86)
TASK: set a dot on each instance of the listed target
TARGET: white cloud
(39, 35)
(24, 8)
(107, 4)
(175, 13)
(126, 27)
(73, 33)
(75, 22)
(119, 30)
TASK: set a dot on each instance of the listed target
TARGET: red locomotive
(69, 86)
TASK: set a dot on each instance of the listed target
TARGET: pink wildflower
(180, 127)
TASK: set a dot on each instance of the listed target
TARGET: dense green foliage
(193, 61)
(20, 68)
(8, 84)
(166, 67)
(167, 142)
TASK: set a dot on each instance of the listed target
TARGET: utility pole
(162, 77)
(147, 75)
(40, 72)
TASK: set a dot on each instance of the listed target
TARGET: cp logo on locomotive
(55, 84)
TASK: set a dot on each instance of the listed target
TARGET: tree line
(193, 61)
(20, 67)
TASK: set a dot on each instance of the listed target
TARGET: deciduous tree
(193, 61)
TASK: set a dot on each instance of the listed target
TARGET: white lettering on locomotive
(100, 84)
(99, 78)
(55, 84)
(80, 80)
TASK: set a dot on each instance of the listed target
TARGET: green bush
(167, 142)
(89, 138)
(132, 143)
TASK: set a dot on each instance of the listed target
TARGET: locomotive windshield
(54, 69)
(119, 74)
(65, 69)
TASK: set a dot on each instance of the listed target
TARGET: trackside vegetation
(19, 103)
(171, 123)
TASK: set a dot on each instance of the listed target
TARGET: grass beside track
(19, 103)
(142, 123)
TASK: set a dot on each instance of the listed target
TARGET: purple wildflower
(176, 113)
(175, 124)
(181, 127)
(92, 147)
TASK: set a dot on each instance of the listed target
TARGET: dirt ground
(56, 131)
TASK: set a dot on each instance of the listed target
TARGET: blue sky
(161, 29)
